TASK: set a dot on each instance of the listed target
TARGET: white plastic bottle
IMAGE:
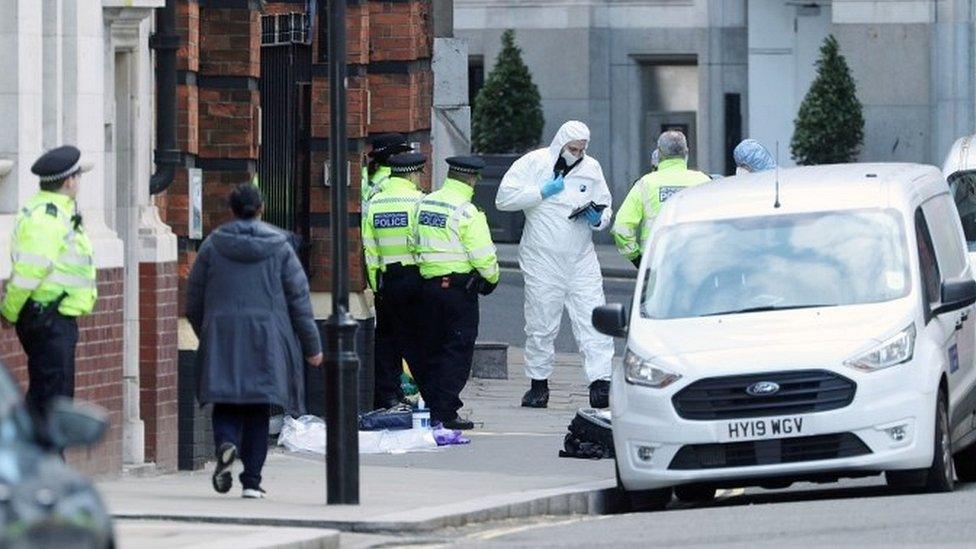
(421, 416)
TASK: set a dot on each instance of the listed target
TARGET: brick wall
(217, 113)
(400, 31)
(158, 361)
(389, 45)
(98, 371)
(390, 89)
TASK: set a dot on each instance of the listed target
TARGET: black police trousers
(450, 328)
(50, 360)
(397, 334)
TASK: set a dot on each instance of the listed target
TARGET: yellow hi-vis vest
(51, 255)
(452, 235)
(388, 226)
(632, 227)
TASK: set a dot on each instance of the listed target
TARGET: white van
(823, 333)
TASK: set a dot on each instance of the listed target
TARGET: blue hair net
(752, 155)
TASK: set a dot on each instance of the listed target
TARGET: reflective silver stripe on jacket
(438, 203)
(394, 200)
(489, 272)
(70, 280)
(483, 252)
(435, 257)
(453, 245)
(36, 260)
(74, 258)
(393, 241)
(25, 282)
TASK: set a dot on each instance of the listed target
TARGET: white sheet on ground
(307, 434)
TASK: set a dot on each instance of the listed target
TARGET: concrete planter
(505, 226)
(490, 360)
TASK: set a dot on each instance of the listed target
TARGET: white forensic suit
(556, 253)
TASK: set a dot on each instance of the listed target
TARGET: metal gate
(285, 87)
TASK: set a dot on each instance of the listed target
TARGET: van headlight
(640, 371)
(894, 350)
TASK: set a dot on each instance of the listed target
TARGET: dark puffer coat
(248, 302)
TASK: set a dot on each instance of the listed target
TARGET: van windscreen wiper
(764, 308)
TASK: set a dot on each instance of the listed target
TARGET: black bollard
(341, 410)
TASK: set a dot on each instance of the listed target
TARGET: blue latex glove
(553, 186)
(593, 216)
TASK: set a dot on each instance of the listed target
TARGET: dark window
(964, 193)
(322, 9)
(476, 76)
(928, 266)
(733, 128)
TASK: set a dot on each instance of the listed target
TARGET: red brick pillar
(389, 47)
(158, 361)
(98, 371)
(229, 113)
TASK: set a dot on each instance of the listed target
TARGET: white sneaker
(253, 493)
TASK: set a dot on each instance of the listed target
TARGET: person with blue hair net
(751, 156)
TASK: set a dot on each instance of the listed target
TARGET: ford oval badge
(763, 388)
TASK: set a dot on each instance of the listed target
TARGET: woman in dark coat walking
(248, 302)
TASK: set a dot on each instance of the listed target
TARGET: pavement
(511, 469)
(150, 534)
(612, 264)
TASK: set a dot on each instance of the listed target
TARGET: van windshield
(776, 262)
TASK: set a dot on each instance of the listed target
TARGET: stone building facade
(96, 89)
(80, 72)
(723, 70)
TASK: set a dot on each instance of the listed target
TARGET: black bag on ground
(391, 419)
(590, 436)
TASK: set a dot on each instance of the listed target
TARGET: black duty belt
(453, 280)
(399, 269)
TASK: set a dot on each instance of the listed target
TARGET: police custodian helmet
(60, 163)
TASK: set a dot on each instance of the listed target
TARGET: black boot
(600, 394)
(458, 424)
(538, 395)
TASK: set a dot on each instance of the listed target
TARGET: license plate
(758, 429)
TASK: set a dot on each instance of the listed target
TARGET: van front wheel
(938, 477)
(639, 501)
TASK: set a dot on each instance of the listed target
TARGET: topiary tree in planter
(829, 126)
(507, 115)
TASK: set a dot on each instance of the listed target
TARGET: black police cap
(59, 163)
(386, 145)
(407, 162)
(466, 164)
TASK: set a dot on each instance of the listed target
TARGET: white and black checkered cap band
(79, 166)
(406, 169)
(459, 169)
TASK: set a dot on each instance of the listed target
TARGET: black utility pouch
(36, 316)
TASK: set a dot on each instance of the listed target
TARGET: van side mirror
(611, 320)
(956, 294)
(71, 423)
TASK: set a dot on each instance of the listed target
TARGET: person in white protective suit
(557, 257)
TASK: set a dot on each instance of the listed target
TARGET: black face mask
(563, 169)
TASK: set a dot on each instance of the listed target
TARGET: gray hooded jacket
(248, 302)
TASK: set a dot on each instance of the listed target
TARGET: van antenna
(776, 203)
